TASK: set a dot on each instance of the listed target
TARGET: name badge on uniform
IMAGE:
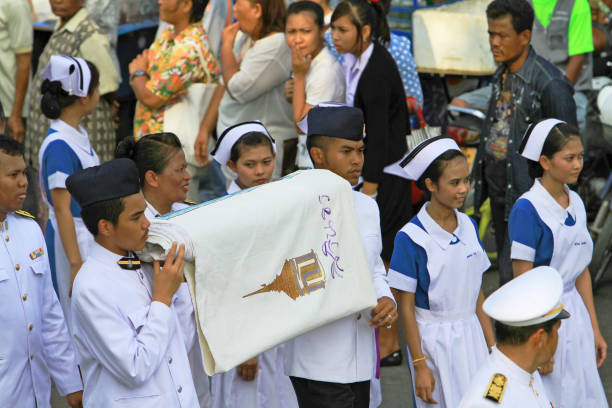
(36, 254)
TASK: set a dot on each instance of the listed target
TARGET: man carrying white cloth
(332, 366)
(132, 327)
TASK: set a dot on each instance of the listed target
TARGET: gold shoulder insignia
(496, 388)
(25, 214)
(189, 202)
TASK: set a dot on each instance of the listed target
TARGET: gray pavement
(396, 385)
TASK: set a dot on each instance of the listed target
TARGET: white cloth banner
(268, 264)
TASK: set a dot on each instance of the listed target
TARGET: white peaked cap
(421, 157)
(72, 72)
(536, 135)
(529, 299)
(229, 137)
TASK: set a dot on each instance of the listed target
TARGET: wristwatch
(138, 73)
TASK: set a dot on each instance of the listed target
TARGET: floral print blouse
(174, 64)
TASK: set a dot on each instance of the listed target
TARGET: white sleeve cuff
(401, 282)
(522, 252)
(57, 180)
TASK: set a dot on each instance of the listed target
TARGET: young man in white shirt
(35, 342)
(333, 365)
(132, 327)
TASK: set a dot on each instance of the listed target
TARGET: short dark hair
(150, 152)
(556, 140)
(520, 11)
(436, 168)
(249, 139)
(363, 13)
(54, 98)
(316, 141)
(512, 335)
(197, 10)
(307, 7)
(272, 16)
(103, 210)
(10, 146)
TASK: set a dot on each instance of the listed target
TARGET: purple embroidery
(330, 244)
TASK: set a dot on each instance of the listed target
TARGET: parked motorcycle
(601, 229)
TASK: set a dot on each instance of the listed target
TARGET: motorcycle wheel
(602, 253)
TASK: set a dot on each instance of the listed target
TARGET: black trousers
(502, 242)
(395, 205)
(321, 394)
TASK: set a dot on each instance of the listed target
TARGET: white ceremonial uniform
(344, 351)
(133, 351)
(35, 345)
(78, 141)
(444, 271)
(575, 381)
(201, 380)
(521, 389)
(271, 388)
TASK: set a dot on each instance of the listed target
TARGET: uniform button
(30, 327)
(359, 316)
(6, 238)
(170, 360)
(17, 267)
(509, 164)
(180, 389)
(24, 297)
(141, 275)
(31, 356)
(509, 185)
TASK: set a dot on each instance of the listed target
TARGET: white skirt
(575, 380)
(455, 348)
(271, 388)
(62, 265)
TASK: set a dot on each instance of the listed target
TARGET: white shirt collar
(78, 138)
(353, 68)
(233, 187)
(442, 237)
(514, 370)
(103, 255)
(553, 205)
(352, 64)
(151, 212)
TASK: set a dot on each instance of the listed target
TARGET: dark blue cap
(114, 179)
(334, 120)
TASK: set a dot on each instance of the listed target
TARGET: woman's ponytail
(380, 28)
(50, 102)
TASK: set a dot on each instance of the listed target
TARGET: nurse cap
(529, 299)
(334, 120)
(73, 73)
(114, 179)
(229, 137)
(421, 157)
(535, 136)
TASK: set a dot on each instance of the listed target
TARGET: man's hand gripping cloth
(267, 264)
